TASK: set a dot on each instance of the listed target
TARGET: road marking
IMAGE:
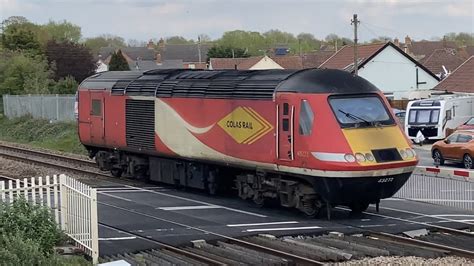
(117, 238)
(180, 208)
(200, 202)
(439, 200)
(125, 191)
(113, 196)
(258, 224)
(453, 215)
(407, 220)
(281, 229)
(125, 188)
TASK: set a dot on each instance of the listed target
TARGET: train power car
(307, 139)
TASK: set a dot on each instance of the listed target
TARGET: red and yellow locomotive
(307, 138)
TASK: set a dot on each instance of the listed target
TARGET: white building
(386, 66)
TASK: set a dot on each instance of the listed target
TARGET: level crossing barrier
(442, 186)
(72, 203)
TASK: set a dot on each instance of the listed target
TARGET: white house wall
(395, 74)
(266, 63)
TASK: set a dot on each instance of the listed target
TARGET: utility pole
(354, 22)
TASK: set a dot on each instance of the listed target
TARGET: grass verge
(60, 136)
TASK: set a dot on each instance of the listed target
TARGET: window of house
(306, 118)
(97, 107)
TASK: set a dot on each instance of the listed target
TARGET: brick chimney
(150, 45)
(407, 40)
(396, 41)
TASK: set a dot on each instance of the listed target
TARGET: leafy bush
(30, 222)
(66, 85)
(22, 74)
(17, 250)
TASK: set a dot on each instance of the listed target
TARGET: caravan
(435, 117)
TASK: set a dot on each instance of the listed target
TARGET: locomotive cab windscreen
(360, 111)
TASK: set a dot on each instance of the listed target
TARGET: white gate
(449, 187)
(73, 205)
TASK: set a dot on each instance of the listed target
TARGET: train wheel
(311, 208)
(259, 200)
(359, 207)
(116, 172)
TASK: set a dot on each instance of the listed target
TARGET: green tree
(63, 31)
(118, 62)
(333, 40)
(461, 38)
(253, 42)
(276, 37)
(105, 40)
(381, 39)
(19, 37)
(20, 74)
(67, 85)
(70, 59)
(178, 40)
(226, 52)
(306, 42)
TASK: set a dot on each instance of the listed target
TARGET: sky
(153, 19)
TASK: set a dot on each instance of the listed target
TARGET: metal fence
(73, 205)
(439, 188)
(52, 107)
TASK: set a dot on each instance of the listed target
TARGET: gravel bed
(451, 260)
(25, 146)
(22, 170)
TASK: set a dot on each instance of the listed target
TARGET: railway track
(62, 162)
(315, 250)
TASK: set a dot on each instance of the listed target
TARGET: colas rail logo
(245, 125)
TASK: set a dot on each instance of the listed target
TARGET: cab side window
(306, 118)
(96, 108)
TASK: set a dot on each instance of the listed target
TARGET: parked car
(458, 147)
(469, 124)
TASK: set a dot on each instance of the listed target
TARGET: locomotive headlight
(349, 158)
(404, 154)
(410, 153)
(360, 157)
(369, 157)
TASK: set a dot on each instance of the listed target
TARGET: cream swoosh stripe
(173, 133)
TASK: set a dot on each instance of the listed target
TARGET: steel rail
(297, 259)
(49, 155)
(53, 165)
(162, 245)
(452, 250)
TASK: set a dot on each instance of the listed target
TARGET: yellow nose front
(364, 140)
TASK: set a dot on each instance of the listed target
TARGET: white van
(435, 115)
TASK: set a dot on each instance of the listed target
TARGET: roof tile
(461, 80)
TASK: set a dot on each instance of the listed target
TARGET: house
(444, 61)
(388, 67)
(315, 59)
(461, 80)
(257, 62)
(192, 55)
(138, 58)
(423, 49)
